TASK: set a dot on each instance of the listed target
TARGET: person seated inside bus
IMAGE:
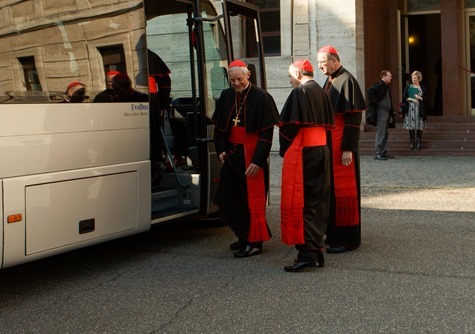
(107, 95)
(123, 91)
(75, 92)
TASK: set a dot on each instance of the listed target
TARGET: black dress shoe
(248, 251)
(339, 249)
(388, 156)
(299, 266)
(380, 157)
(238, 245)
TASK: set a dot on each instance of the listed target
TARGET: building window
(113, 58)
(469, 3)
(423, 5)
(270, 25)
(32, 81)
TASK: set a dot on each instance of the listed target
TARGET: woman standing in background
(416, 115)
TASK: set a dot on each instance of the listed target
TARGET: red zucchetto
(304, 65)
(328, 49)
(112, 72)
(74, 83)
(237, 63)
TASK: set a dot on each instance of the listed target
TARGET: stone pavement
(410, 183)
(419, 171)
(427, 184)
(414, 272)
(416, 257)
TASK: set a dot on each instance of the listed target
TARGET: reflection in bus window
(123, 90)
(69, 44)
(32, 81)
(75, 93)
(167, 36)
(107, 95)
(113, 58)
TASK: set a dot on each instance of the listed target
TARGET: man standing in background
(379, 98)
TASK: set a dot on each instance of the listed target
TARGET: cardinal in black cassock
(304, 121)
(244, 119)
(344, 224)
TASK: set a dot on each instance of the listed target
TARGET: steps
(443, 136)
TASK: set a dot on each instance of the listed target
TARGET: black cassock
(258, 114)
(344, 224)
(306, 107)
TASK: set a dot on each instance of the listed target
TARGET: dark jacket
(376, 93)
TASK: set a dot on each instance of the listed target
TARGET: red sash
(344, 179)
(152, 85)
(292, 191)
(256, 192)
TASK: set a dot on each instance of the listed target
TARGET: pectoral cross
(236, 120)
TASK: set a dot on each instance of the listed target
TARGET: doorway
(471, 61)
(423, 53)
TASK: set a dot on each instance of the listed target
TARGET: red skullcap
(304, 65)
(74, 83)
(237, 63)
(328, 49)
(112, 73)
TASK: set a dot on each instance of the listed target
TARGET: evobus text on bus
(77, 174)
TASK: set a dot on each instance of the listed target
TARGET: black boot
(412, 136)
(419, 140)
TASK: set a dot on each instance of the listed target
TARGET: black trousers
(316, 175)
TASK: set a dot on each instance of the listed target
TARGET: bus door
(215, 49)
(188, 38)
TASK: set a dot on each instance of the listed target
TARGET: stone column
(286, 28)
(342, 27)
(452, 48)
(300, 33)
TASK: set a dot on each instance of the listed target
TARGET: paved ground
(414, 272)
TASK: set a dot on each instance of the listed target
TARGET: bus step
(164, 200)
(172, 201)
(172, 213)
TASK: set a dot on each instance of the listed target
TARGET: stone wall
(308, 25)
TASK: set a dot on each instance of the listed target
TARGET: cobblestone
(413, 172)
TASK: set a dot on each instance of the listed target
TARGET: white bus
(76, 174)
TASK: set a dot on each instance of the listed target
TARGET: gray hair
(244, 70)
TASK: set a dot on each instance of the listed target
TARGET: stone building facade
(436, 37)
